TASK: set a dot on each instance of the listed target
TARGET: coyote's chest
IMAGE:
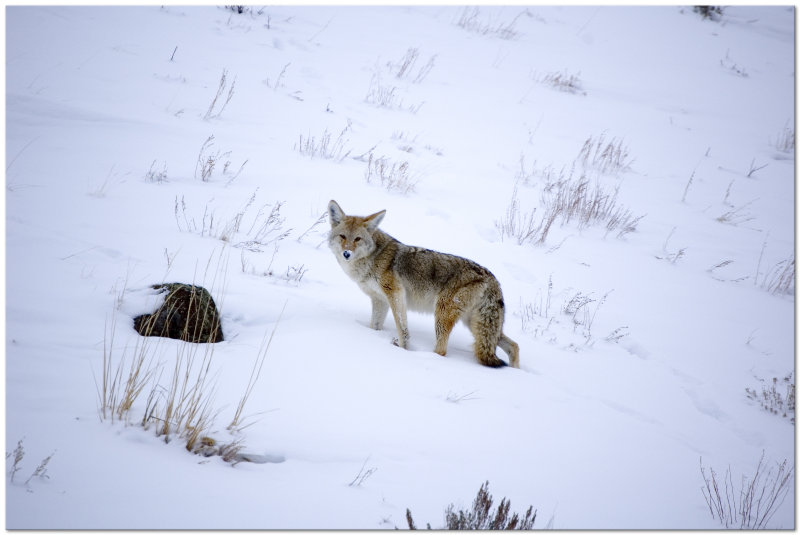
(420, 298)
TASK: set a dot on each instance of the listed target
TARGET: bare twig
(362, 475)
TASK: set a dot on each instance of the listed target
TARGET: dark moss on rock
(188, 313)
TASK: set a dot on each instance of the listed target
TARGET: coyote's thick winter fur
(400, 277)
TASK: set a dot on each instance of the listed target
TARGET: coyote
(400, 277)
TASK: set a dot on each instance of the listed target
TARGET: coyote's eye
(358, 238)
(342, 236)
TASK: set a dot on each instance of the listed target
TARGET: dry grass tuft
(780, 279)
(771, 399)
(785, 140)
(387, 95)
(217, 106)
(607, 157)
(325, 146)
(16, 458)
(210, 160)
(248, 229)
(184, 408)
(405, 69)
(394, 176)
(567, 200)
(18, 455)
(155, 175)
(562, 81)
(471, 20)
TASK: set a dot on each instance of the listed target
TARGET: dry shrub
(481, 516)
(755, 503)
(709, 12)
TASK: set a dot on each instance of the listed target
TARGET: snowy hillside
(626, 173)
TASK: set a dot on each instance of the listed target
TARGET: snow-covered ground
(636, 351)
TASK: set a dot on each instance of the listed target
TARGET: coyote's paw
(396, 341)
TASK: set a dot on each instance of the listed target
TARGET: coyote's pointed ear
(374, 220)
(335, 213)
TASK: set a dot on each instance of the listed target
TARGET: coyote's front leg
(395, 294)
(380, 308)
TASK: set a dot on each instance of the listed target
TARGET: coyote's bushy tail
(486, 324)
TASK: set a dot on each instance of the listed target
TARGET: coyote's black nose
(346, 255)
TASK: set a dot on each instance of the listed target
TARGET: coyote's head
(351, 237)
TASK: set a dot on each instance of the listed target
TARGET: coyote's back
(398, 277)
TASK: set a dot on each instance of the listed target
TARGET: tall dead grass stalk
(258, 365)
